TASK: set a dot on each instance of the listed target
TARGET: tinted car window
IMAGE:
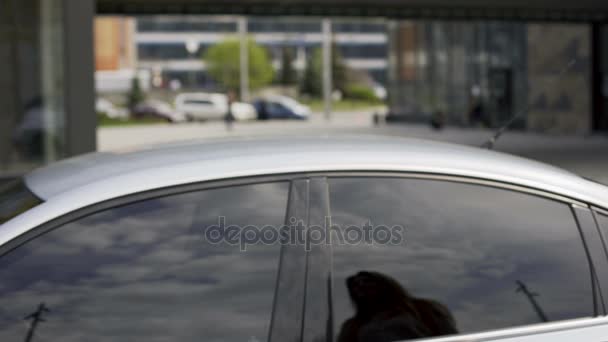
(470, 258)
(275, 108)
(145, 272)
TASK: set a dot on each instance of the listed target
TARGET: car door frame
(590, 237)
(308, 321)
(318, 211)
(603, 231)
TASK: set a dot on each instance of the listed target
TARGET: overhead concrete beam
(528, 10)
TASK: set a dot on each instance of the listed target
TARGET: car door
(186, 264)
(456, 259)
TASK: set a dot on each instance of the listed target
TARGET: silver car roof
(168, 165)
(78, 182)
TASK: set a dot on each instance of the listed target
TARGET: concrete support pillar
(79, 71)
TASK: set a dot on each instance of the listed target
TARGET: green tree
(223, 64)
(288, 74)
(339, 69)
(312, 82)
(136, 95)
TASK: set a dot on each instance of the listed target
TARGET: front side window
(145, 272)
(451, 258)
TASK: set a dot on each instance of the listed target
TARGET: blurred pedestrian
(229, 117)
(476, 116)
(437, 120)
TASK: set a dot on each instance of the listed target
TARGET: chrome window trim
(524, 331)
(601, 211)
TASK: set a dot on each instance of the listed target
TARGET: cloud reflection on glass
(465, 246)
(142, 272)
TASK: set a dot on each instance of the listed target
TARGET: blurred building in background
(162, 43)
(114, 43)
(475, 62)
(46, 82)
(484, 73)
(116, 62)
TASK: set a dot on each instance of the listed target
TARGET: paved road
(587, 156)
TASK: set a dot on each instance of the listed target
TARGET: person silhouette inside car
(385, 311)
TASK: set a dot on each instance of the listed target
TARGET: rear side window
(15, 198)
(447, 258)
(145, 272)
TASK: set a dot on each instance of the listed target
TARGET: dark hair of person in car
(385, 311)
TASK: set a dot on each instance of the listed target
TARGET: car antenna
(489, 144)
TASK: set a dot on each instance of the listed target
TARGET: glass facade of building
(46, 82)
(484, 73)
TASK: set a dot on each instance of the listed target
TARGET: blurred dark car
(156, 109)
(280, 107)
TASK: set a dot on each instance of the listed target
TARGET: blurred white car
(211, 106)
(243, 111)
(110, 110)
(379, 91)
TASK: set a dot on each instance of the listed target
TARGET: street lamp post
(192, 46)
(327, 72)
(243, 58)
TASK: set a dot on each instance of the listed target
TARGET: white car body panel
(243, 111)
(79, 182)
(584, 330)
(202, 106)
(212, 107)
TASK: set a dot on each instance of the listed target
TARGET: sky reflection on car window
(143, 272)
(465, 246)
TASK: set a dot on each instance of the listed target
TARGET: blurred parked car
(280, 107)
(379, 91)
(157, 109)
(106, 107)
(178, 242)
(211, 106)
